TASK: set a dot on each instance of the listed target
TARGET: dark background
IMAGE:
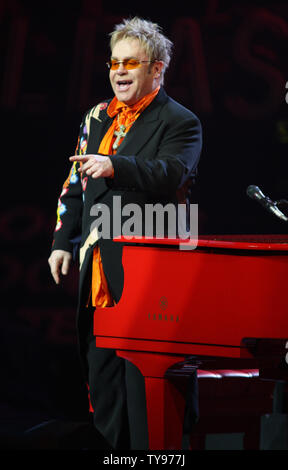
(229, 66)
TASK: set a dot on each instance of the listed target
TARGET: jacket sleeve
(175, 162)
(70, 203)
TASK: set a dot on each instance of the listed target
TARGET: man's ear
(157, 68)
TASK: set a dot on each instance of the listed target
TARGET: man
(144, 147)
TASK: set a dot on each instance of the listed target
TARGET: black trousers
(117, 394)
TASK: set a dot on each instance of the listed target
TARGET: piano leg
(165, 404)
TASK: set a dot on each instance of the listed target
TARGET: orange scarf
(126, 115)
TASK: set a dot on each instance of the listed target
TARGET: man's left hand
(95, 166)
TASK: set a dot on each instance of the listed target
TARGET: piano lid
(237, 242)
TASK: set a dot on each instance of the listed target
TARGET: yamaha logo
(163, 303)
(165, 317)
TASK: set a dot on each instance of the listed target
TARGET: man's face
(130, 86)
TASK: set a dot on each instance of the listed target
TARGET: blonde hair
(150, 36)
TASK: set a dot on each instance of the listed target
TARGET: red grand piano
(224, 302)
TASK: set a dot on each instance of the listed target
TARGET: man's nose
(121, 69)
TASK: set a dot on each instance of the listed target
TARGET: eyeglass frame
(119, 62)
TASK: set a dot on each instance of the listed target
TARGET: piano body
(224, 302)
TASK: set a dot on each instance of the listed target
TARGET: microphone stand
(282, 205)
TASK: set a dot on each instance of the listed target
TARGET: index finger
(79, 158)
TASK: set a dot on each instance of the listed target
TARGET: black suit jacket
(157, 157)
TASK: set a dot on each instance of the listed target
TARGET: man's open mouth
(123, 85)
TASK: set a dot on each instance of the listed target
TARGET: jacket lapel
(97, 133)
(144, 127)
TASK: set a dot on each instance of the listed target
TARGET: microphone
(254, 192)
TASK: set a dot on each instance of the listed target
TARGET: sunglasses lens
(131, 64)
(128, 64)
(114, 64)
